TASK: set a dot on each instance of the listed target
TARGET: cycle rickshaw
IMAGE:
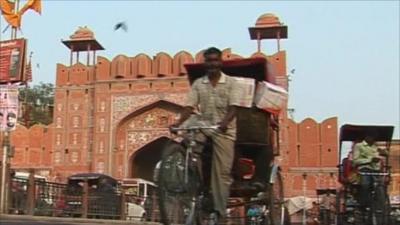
(347, 206)
(181, 181)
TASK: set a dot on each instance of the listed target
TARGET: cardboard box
(245, 88)
(270, 97)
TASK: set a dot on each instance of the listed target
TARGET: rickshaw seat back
(253, 126)
(349, 172)
(247, 168)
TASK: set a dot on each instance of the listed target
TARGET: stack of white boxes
(267, 96)
(245, 88)
(270, 97)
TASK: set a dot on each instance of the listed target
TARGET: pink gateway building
(112, 116)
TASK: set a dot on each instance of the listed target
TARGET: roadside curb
(71, 220)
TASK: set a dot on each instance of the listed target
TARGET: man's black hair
(212, 50)
(11, 114)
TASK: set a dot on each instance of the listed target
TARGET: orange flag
(7, 9)
(35, 5)
(7, 5)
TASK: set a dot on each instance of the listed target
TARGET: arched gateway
(142, 135)
(144, 160)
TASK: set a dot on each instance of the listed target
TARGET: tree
(37, 104)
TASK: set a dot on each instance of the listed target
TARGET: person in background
(368, 158)
(11, 120)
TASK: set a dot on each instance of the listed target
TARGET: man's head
(370, 137)
(11, 119)
(212, 59)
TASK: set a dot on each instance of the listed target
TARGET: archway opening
(145, 159)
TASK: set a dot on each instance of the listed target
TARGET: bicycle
(378, 211)
(180, 180)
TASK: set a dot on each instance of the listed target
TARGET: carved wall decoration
(154, 118)
(75, 121)
(74, 157)
(58, 139)
(74, 138)
(102, 124)
(102, 106)
(149, 120)
(124, 105)
(58, 122)
(120, 170)
(137, 139)
(75, 106)
(57, 157)
(101, 147)
(59, 107)
(163, 121)
(145, 128)
(100, 167)
(121, 145)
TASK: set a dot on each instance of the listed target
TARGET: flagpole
(27, 108)
(14, 29)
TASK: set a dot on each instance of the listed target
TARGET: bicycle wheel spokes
(278, 212)
(177, 209)
(176, 197)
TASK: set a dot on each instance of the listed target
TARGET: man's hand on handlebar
(173, 127)
(222, 127)
(376, 159)
(382, 152)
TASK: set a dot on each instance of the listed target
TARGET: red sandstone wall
(313, 150)
(33, 148)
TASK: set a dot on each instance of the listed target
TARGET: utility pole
(6, 142)
(4, 166)
(304, 198)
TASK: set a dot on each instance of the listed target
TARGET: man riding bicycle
(214, 97)
(367, 158)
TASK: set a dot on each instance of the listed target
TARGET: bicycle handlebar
(373, 174)
(194, 128)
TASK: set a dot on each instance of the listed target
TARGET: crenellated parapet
(142, 66)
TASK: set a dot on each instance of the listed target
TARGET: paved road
(34, 222)
(37, 220)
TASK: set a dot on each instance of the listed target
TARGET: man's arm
(358, 159)
(223, 125)
(187, 111)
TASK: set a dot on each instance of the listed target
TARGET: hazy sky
(345, 54)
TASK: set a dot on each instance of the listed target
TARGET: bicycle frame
(188, 154)
(192, 143)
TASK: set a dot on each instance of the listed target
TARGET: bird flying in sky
(121, 25)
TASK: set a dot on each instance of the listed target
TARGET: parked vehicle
(135, 212)
(143, 192)
(104, 201)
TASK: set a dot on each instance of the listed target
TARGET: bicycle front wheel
(278, 213)
(178, 199)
